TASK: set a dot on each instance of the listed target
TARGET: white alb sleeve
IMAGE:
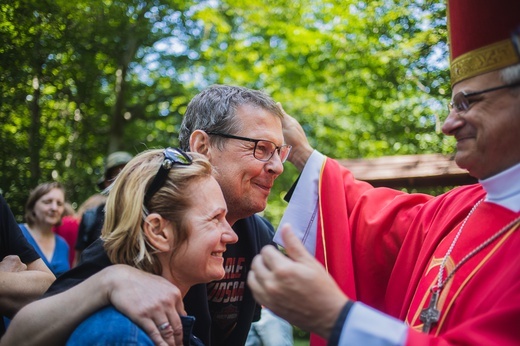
(302, 211)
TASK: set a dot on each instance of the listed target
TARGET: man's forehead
(269, 128)
(250, 113)
(479, 82)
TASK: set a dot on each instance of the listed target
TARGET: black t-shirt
(90, 227)
(13, 242)
(226, 314)
(231, 303)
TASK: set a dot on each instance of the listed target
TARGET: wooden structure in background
(410, 171)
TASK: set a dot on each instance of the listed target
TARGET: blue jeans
(270, 330)
(108, 327)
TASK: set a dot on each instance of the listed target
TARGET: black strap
(338, 326)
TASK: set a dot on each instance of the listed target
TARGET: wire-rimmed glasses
(461, 101)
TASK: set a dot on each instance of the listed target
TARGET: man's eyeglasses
(263, 149)
(172, 156)
(461, 101)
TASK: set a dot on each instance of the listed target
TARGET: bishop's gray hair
(511, 74)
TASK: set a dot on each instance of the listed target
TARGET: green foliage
(80, 79)
(365, 79)
(72, 89)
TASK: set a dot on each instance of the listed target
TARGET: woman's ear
(199, 142)
(159, 232)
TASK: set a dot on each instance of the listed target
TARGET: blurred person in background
(24, 276)
(68, 229)
(92, 219)
(43, 211)
(86, 220)
(90, 203)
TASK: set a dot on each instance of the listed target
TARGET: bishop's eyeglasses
(462, 102)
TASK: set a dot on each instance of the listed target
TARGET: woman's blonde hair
(123, 234)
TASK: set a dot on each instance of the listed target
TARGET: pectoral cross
(430, 315)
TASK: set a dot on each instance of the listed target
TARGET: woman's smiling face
(199, 259)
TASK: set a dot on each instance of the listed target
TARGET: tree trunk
(34, 131)
(118, 120)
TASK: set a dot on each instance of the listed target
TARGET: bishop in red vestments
(426, 270)
(408, 236)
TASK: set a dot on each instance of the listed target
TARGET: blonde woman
(166, 215)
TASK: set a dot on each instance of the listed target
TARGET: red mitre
(480, 36)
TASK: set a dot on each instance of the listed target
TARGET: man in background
(92, 220)
(24, 276)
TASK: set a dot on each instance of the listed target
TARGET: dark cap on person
(480, 35)
(116, 159)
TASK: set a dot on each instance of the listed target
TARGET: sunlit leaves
(365, 78)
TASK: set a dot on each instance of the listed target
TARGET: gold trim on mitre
(489, 58)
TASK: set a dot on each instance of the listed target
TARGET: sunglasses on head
(172, 156)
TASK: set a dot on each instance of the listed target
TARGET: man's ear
(199, 142)
(159, 232)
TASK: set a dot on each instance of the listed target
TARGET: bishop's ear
(158, 231)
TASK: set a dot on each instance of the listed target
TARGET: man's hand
(13, 264)
(295, 136)
(149, 300)
(296, 288)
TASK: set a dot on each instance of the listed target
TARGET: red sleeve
(354, 217)
(361, 230)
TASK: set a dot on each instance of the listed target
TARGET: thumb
(179, 307)
(279, 105)
(293, 246)
(287, 119)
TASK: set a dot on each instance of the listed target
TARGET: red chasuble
(384, 248)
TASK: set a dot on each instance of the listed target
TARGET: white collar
(504, 188)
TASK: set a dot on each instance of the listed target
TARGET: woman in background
(43, 211)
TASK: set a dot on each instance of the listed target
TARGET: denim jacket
(108, 326)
